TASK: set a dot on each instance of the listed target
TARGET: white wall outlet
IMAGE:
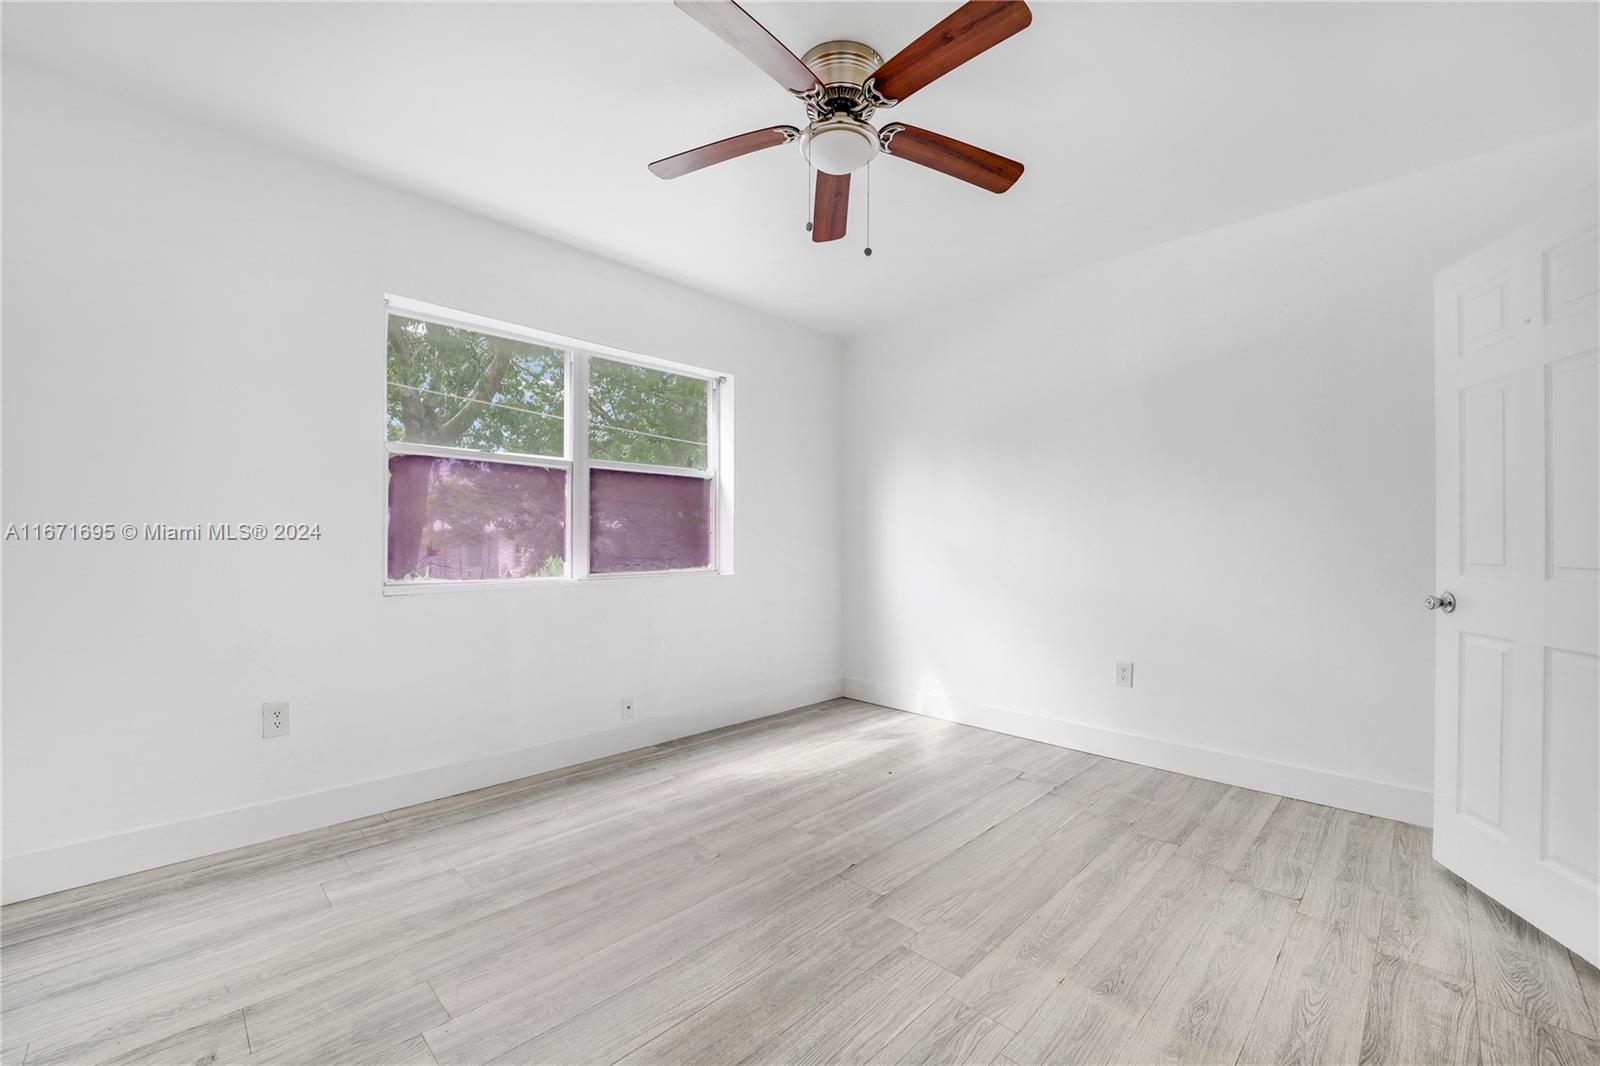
(1124, 675)
(274, 720)
(627, 708)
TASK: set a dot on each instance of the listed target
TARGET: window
(514, 456)
(649, 479)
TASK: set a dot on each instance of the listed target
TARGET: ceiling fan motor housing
(843, 67)
(839, 140)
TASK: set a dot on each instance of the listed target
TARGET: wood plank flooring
(839, 884)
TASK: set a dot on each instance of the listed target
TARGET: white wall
(193, 332)
(1213, 458)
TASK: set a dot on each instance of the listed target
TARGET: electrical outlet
(1124, 675)
(627, 708)
(274, 720)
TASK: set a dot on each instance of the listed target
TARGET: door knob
(1445, 601)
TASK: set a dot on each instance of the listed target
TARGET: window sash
(576, 461)
(710, 382)
(578, 446)
(489, 458)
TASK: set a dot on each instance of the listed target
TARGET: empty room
(700, 532)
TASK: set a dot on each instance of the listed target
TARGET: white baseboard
(1400, 802)
(38, 873)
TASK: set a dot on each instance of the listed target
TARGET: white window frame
(576, 461)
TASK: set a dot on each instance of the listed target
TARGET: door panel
(1484, 313)
(1485, 693)
(1572, 451)
(1570, 275)
(1572, 787)
(1517, 719)
(1483, 476)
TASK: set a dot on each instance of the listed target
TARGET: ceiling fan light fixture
(842, 84)
(839, 144)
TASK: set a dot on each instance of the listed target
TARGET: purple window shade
(466, 520)
(648, 521)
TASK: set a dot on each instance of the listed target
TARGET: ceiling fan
(841, 84)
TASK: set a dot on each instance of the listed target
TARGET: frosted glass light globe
(839, 146)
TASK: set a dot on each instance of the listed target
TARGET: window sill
(431, 588)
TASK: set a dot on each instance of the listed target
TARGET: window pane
(648, 521)
(464, 389)
(638, 415)
(465, 520)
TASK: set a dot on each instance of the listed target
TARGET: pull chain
(811, 199)
(868, 212)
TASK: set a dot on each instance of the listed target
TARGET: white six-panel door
(1517, 734)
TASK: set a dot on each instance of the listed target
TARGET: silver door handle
(1445, 601)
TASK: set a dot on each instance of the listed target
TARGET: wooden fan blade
(676, 166)
(950, 156)
(832, 209)
(752, 40)
(969, 30)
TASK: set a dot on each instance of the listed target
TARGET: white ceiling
(1138, 123)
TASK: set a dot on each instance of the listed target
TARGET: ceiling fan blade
(969, 30)
(832, 209)
(676, 166)
(752, 40)
(950, 156)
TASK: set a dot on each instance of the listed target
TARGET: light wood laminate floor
(842, 883)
